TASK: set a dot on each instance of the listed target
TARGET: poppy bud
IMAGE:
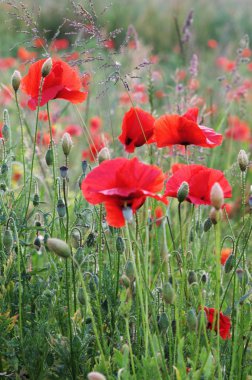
(49, 157)
(6, 132)
(230, 263)
(96, 376)
(59, 247)
(66, 143)
(75, 238)
(93, 283)
(125, 281)
(183, 191)
(128, 214)
(192, 320)
(120, 246)
(163, 322)
(61, 208)
(207, 224)
(81, 297)
(243, 160)
(16, 80)
(192, 278)
(103, 155)
(79, 255)
(129, 270)
(47, 67)
(8, 240)
(168, 293)
(217, 196)
(3, 187)
(35, 200)
(204, 278)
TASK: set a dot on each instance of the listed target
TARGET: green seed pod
(59, 247)
(191, 319)
(35, 200)
(183, 191)
(61, 208)
(4, 168)
(207, 224)
(81, 297)
(129, 270)
(49, 157)
(168, 293)
(191, 277)
(125, 281)
(8, 240)
(230, 263)
(120, 246)
(163, 322)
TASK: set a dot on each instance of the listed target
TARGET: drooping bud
(217, 196)
(90, 240)
(47, 67)
(192, 278)
(207, 224)
(59, 247)
(168, 293)
(191, 319)
(81, 297)
(125, 281)
(6, 132)
(61, 208)
(163, 322)
(129, 270)
(93, 283)
(243, 160)
(66, 144)
(84, 166)
(37, 243)
(8, 240)
(103, 155)
(75, 238)
(35, 200)
(183, 192)
(16, 80)
(120, 246)
(96, 376)
(230, 263)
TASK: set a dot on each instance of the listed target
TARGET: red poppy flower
(184, 130)
(98, 141)
(60, 44)
(159, 213)
(224, 322)
(213, 44)
(200, 180)
(95, 124)
(226, 64)
(26, 55)
(122, 185)
(137, 129)
(7, 63)
(73, 130)
(225, 253)
(238, 129)
(63, 82)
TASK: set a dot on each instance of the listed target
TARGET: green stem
(22, 141)
(54, 171)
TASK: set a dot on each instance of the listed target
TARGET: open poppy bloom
(122, 185)
(137, 129)
(63, 82)
(224, 322)
(200, 180)
(184, 130)
(238, 129)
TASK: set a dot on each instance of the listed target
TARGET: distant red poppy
(200, 180)
(224, 322)
(39, 42)
(238, 129)
(60, 44)
(73, 130)
(213, 44)
(26, 55)
(95, 124)
(7, 63)
(184, 130)
(97, 142)
(159, 213)
(226, 64)
(63, 82)
(137, 129)
(122, 185)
